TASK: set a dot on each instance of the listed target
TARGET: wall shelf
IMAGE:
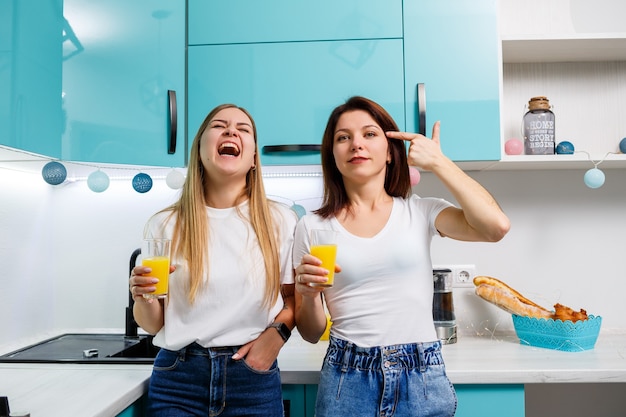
(564, 48)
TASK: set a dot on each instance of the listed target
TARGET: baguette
(500, 294)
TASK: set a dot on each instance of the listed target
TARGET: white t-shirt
(384, 293)
(229, 310)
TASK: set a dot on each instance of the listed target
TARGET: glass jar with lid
(538, 127)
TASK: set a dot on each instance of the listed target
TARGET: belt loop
(421, 358)
(347, 354)
(182, 354)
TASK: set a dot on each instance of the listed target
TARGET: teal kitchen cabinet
(252, 21)
(31, 75)
(474, 400)
(136, 409)
(299, 400)
(490, 400)
(117, 84)
(452, 47)
(290, 88)
(95, 81)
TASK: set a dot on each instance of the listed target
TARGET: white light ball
(98, 181)
(175, 179)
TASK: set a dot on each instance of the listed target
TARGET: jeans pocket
(273, 368)
(166, 360)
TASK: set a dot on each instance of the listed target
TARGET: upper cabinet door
(245, 21)
(452, 47)
(290, 88)
(122, 59)
(31, 75)
(94, 80)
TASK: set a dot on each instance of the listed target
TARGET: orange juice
(327, 254)
(160, 269)
(326, 334)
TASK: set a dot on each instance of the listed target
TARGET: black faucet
(131, 324)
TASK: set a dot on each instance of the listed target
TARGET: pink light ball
(513, 147)
(415, 176)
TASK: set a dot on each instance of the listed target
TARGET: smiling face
(228, 145)
(360, 147)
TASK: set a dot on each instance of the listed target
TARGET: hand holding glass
(156, 255)
(324, 247)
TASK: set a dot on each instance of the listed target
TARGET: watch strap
(282, 329)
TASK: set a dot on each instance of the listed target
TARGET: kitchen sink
(87, 348)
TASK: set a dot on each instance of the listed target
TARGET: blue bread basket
(557, 334)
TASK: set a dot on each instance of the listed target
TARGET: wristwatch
(282, 329)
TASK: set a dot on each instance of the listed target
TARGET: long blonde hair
(191, 230)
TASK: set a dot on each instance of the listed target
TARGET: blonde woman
(230, 306)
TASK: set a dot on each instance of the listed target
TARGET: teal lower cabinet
(299, 400)
(490, 400)
(475, 400)
(136, 409)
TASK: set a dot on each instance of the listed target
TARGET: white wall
(566, 244)
(65, 249)
(65, 253)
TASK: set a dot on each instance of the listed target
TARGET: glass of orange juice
(324, 247)
(156, 255)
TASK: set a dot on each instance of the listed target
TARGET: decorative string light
(622, 145)
(98, 181)
(295, 206)
(54, 173)
(513, 146)
(594, 177)
(175, 179)
(414, 175)
(564, 148)
(142, 182)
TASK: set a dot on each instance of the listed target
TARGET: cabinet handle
(421, 108)
(291, 148)
(172, 121)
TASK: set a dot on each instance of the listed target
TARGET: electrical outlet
(462, 275)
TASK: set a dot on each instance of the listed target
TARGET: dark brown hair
(397, 180)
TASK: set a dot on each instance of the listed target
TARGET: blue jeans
(197, 381)
(401, 381)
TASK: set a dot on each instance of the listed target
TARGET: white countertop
(60, 390)
(490, 360)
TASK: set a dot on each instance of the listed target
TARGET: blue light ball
(300, 211)
(54, 173)
(594, 178)
(622, 145)
(565, 148)
(98, 181)
(142, 183)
